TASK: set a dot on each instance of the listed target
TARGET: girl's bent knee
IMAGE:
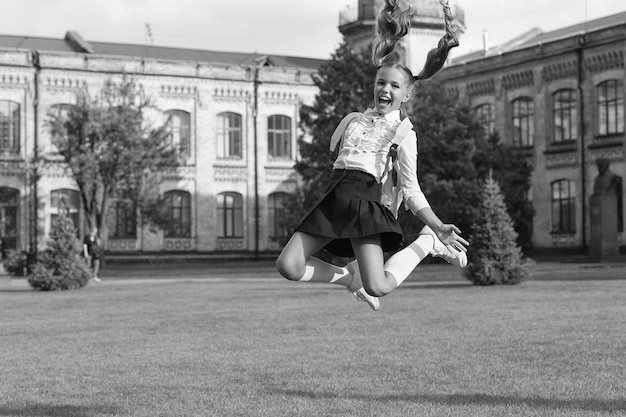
(289, 270)
(379, 289)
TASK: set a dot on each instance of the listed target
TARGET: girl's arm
(414, 198)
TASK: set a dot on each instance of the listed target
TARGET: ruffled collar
(375, 114)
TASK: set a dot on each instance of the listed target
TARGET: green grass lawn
(268, 347)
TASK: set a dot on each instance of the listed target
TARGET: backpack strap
(337, 137)
(401, 132)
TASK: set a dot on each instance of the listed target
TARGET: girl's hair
(393, 23)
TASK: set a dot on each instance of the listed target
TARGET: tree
(112, 152)
(342, 82)
(496, 258)
(447, 134)
(512, 171)
(60, 266)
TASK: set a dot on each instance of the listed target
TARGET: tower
(358, 25)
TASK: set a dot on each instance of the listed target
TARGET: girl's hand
(449, 234)
(443, 2)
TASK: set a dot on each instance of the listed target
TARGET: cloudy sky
(286, 27)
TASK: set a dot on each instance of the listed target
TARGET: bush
(59, 266)
(495, 257)
(15, 262)
(71, 276)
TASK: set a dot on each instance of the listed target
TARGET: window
(610, 107)
(9, 127)
(486, 117)
(523, 127)
(230, 215)
(178, 205)
(229, 136)
(124, 220)
(9, 204)
(65, 202)
(563, 207)
(60, 110)
(180, 131)
(276, 215)
(565, 116)
(279, 136)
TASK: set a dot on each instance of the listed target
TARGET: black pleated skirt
(350, 208)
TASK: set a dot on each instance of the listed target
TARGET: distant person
(93, 253)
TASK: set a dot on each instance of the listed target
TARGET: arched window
(229, 135)
(563, 206)
(230, 215)
(179, 125)
(276, 215)
(9, 209)
(9, 127)
(486, 117)
(124, 220)
(523, 122)
(178, 205)
(279, 136)
(610, 107)
(66, 202)
(565, 116)
(60, 109)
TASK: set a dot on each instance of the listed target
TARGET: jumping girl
(357, 213)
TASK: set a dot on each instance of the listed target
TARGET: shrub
(15, 262)
(60, 267)
(495, 257)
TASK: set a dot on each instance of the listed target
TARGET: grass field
(247, 346)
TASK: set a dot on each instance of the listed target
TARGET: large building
(559, 97)
(235, 116)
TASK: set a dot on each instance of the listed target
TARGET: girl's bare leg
(296, 262)
(369, 255)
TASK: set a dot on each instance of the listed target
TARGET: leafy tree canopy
(111, 150)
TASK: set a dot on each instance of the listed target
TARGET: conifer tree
(60, 267)
(495, 257)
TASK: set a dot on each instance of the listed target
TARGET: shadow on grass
(585, 404)
(434, 286)
(48, 410)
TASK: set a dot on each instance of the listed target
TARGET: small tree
(112, 152)
(495, 257)
(60, 266)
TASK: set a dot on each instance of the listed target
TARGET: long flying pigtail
(392, 24)
(436, 57)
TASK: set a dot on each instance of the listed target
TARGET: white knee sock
(317, 270)
(403, 262)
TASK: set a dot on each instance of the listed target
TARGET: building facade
(559, 97)
(234, 116)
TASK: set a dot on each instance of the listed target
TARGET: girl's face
(391, 89)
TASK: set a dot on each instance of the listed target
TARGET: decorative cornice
(286, 174)
(518, 79)
(560, 70)
(178, 90)
(231, 93)
(64, 83)
(287, 96)
(606, 60)
(234, 174)
(561, 160)
(13, 169)
(481, 88)
(13, 79)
